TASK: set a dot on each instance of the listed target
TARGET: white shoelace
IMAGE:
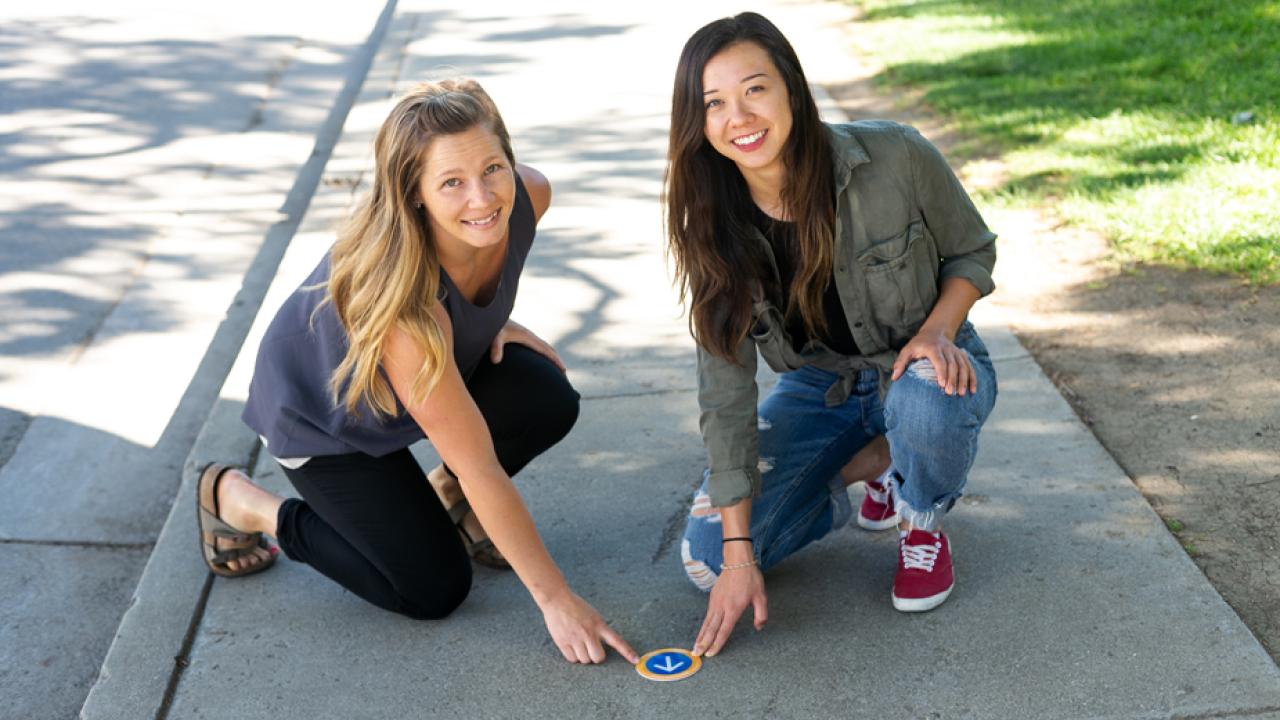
(878, 494)
(920, 557)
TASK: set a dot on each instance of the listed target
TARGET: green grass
(1117, 113)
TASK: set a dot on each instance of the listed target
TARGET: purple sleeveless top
(289, 402)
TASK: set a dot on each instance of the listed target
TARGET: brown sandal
(236, 544)
(481, 550)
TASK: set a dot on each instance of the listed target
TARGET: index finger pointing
(708, 632)
(615, 641)
(722, 635)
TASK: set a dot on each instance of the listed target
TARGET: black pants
(376, 527)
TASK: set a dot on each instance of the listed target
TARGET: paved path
(154, 160)
(1073, 599)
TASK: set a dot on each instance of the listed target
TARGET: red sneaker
(877, 511)
(924, 576)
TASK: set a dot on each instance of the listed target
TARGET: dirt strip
(1177, 372)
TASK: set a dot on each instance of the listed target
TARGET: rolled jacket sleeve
(727, 395)
(966, 246)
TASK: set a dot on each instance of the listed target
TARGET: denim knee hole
(703, 509)
(699, 573)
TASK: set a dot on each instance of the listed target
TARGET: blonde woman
(404, 331)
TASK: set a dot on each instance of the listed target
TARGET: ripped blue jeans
(933, 439)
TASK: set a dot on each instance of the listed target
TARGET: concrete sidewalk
(1073, 600)
(155, 159)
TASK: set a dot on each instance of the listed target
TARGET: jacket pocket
(902, 282)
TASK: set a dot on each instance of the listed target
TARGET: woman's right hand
(735, 589)
(578, 630)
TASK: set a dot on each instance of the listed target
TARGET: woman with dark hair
(849, 256)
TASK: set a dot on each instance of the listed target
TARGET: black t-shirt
(781, 237)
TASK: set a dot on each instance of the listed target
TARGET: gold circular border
(694, 666)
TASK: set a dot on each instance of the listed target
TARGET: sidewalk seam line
(254, 454)
(1229, 713)
(180, 661)
(671, 391)
(274, 77)
(106, 545)
(669, 533)
(1013, 358)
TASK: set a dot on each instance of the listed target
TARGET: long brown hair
(385, 269)
(708, 207)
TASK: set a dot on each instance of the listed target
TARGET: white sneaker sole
(867, 523)
(922, 604)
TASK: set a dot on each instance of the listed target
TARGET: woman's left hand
(951, 364)
(735, 590)
(514, 332)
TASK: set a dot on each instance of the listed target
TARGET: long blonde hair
(385, 270)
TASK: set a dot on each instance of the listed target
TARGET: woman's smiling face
(748, 108)
(468, 188)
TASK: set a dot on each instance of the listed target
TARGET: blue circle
(668, 663)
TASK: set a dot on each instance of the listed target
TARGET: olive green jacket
(903, 225)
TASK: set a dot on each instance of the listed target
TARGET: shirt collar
(849, 153)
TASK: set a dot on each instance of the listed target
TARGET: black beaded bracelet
(735, 539)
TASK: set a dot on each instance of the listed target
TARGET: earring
(417, 206)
